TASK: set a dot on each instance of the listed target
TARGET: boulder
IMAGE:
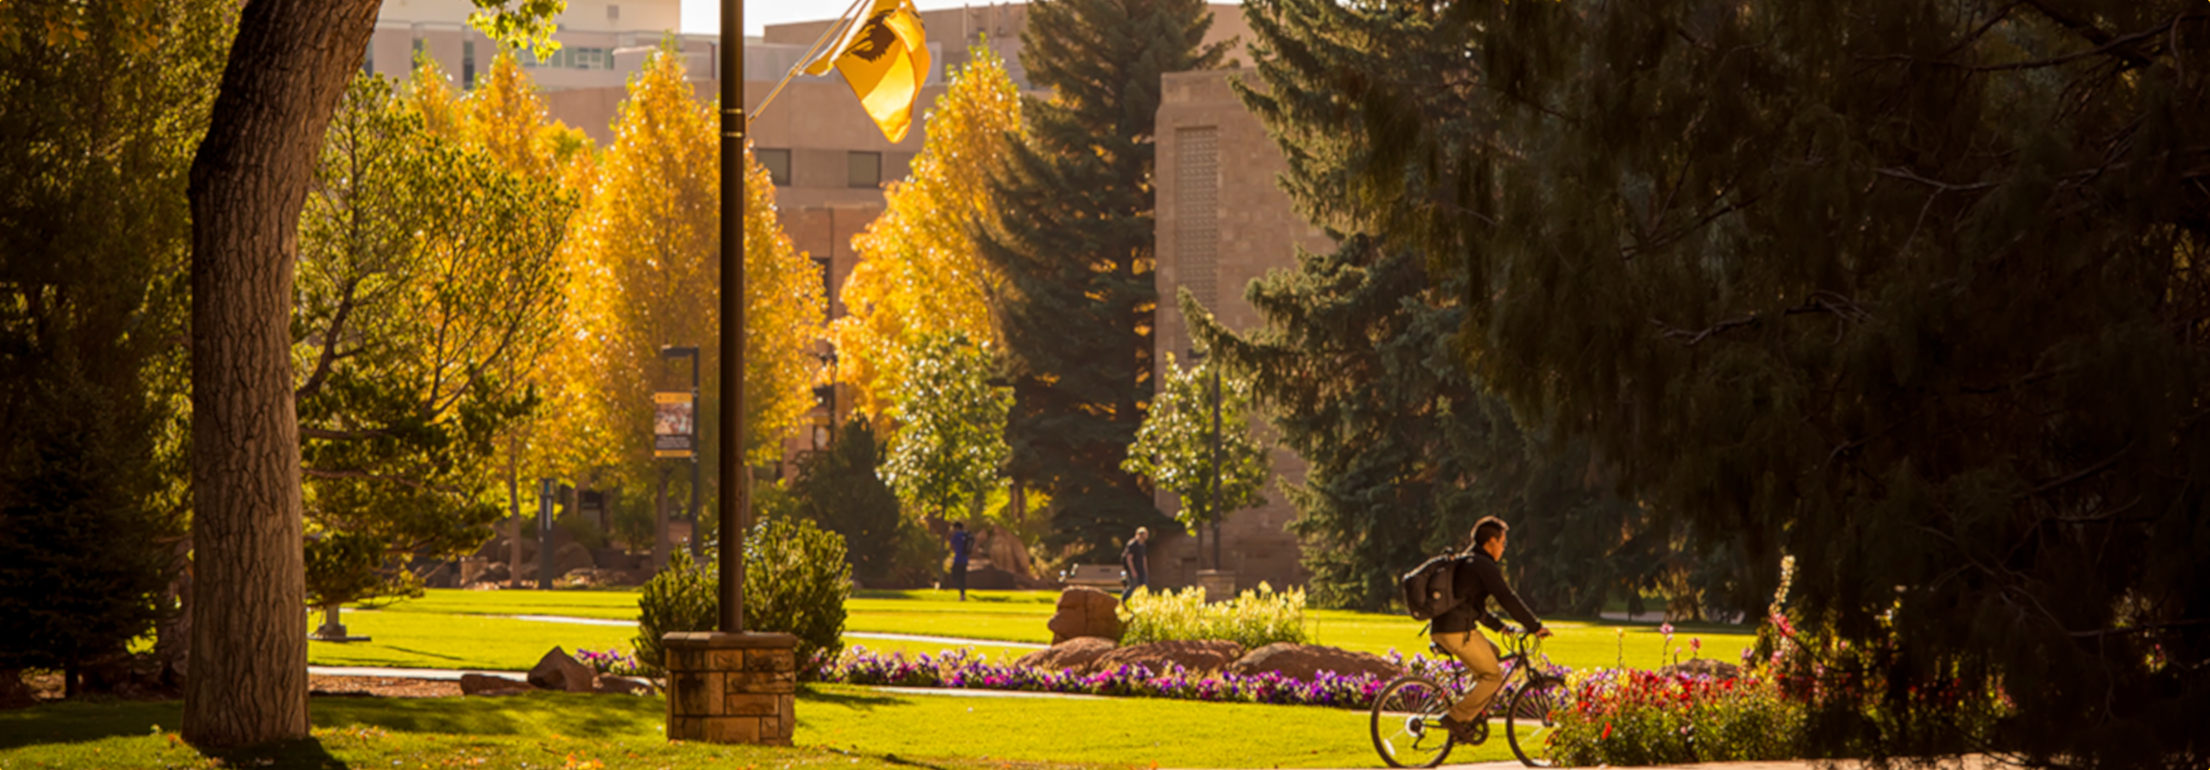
(1716, 669)
(1085, 611)
(570, 557)
(1200, 658)
(496, 572)
(1073, 654)
(1303, 662)
(483, 684)
(559, 671)
(622, 685)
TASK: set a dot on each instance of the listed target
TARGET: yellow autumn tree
(918, 273)
(649, 275)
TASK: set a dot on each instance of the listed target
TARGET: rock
(1073, 654)
(558, 671)
(1303, 662)
(1200, 658)
(482, 684)
(496, 572)
(570, 557)
(1085, 611)
(1715, 669)
(622, 685)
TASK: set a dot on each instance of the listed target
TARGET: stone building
(1222, 222)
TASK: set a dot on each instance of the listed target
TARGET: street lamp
(691, 352)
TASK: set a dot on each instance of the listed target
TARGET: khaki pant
(1479, 654)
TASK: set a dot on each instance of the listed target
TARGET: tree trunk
(287, 68)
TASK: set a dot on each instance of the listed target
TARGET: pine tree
(1908, 291)
(100, 111)
(1074, 246)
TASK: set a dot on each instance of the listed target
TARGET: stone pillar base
(1218, 584)
(731, 688)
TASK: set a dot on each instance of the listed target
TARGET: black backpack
(1431, 588)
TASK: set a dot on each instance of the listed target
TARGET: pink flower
(1666, 629)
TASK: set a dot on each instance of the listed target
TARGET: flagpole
(735, 506)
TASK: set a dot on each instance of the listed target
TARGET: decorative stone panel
(731, 688)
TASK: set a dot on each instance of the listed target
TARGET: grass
(838, 726)
(446, 629)
(423, 640)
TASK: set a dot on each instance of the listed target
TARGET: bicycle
(1407, 721)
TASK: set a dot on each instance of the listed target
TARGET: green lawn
(447, 629)
(847, 727)
(424, 640)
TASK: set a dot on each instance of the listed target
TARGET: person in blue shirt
(962, 543)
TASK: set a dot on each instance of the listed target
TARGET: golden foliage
(918, 272)
(648, 275)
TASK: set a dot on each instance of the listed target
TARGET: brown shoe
(1470, 733)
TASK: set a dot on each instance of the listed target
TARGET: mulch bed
(47, 688)
(380, 687)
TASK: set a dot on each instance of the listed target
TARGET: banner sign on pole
(674, 431)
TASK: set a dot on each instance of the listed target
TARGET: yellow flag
(885, 58)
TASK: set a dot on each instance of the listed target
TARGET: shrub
(683, 597)
(796, 581)
(1253, 619)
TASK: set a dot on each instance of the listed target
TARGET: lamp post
(691, 352)
(736, 494)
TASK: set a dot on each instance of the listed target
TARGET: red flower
(1607, 732)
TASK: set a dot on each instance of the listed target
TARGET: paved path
(954, 640)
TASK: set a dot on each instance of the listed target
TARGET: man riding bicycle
(1478, 577)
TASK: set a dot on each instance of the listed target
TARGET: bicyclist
(1477, 578)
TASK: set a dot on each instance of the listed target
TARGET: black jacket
(1480, 577)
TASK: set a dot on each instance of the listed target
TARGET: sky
(703, 17)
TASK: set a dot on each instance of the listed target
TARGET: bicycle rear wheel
(1407, 722)
(1534, 713)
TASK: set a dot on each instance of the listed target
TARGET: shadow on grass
(574, 715)
(302, 755)
(77, 722)
(425, 653)
(850, 700)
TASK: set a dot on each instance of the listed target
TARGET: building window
(467, 64)
(865, 169)
(613, 13)
(575, 58)
(777, 163)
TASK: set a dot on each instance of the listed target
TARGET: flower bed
(1628, 717)
(964, 669)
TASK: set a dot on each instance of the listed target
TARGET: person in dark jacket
(1135, 564)
(961, 544)
(1478, 577)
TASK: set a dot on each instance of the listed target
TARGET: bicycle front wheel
(1533, 715)
(1408, 722)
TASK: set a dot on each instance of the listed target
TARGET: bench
(1106, 576)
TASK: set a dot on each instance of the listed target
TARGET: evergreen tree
(838, 488)
(1074, 246)
(1909, 291)
(1404, 453)
(100, 109)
